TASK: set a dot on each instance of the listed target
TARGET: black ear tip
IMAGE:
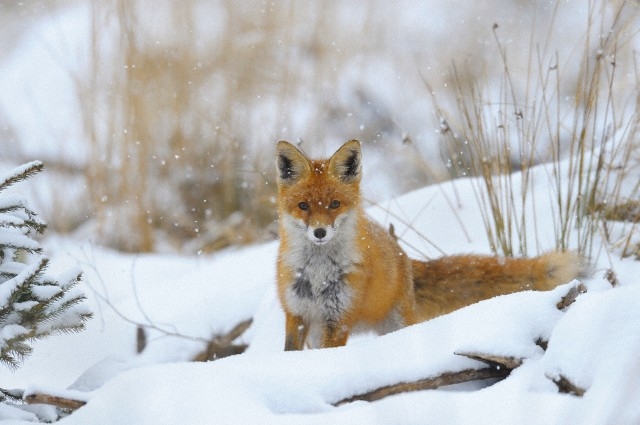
(290, 162)
(285, 166)
(346, 161)
(352, 164)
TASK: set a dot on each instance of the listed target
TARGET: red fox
(338, 272)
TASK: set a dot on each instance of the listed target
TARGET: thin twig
(123, 316)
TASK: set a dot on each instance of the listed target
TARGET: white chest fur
(319, 293)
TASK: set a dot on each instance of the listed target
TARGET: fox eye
(334, 204)
(303, 206)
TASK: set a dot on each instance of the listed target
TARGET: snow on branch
(63, 401)
(446, 378)
(565, 386)
(571, 296)
(222, 345)
(493, 360)
(32, 304)
(20, 173)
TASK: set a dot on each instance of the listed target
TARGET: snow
(12, 203)
(8, 413)
(11, 331)
(182, 301)
(594, 344)
(299, 387)
(14, 239)
(9, 286)
(44, 292)
(17, 173)
(11, 220)
(57, 45)
(602, 330)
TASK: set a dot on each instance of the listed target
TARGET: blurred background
(157, 119)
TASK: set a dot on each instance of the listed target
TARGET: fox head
(317, 197)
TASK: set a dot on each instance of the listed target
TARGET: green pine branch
(33, 305)
(19, 174)
(17, 214)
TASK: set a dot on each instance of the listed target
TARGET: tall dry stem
(578, 119)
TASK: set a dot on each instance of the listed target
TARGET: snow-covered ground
(185, 300)
(594, 343)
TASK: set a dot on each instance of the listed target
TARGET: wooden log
(447, 378)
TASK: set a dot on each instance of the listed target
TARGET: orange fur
(339, 272)
(450, 283)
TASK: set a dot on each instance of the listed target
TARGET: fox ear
(346, 162)
(291, 164)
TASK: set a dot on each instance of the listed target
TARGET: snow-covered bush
(33, 305)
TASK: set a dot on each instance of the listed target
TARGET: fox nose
(320, 233)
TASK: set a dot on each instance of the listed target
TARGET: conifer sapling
(33, 305)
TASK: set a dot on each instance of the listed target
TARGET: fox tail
(449, 283)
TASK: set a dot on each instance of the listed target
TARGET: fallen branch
(499, 366)
(571, 296)
(493, 360)
(53, 400)
(565, 386)
(447, 378)
(235, 332)
(222, 345)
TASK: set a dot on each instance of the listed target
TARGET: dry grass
(184, 102)
(578, 116)
(171, 130)
(182, 129)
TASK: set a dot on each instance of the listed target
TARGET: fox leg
(334, 335)
(296, 333)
